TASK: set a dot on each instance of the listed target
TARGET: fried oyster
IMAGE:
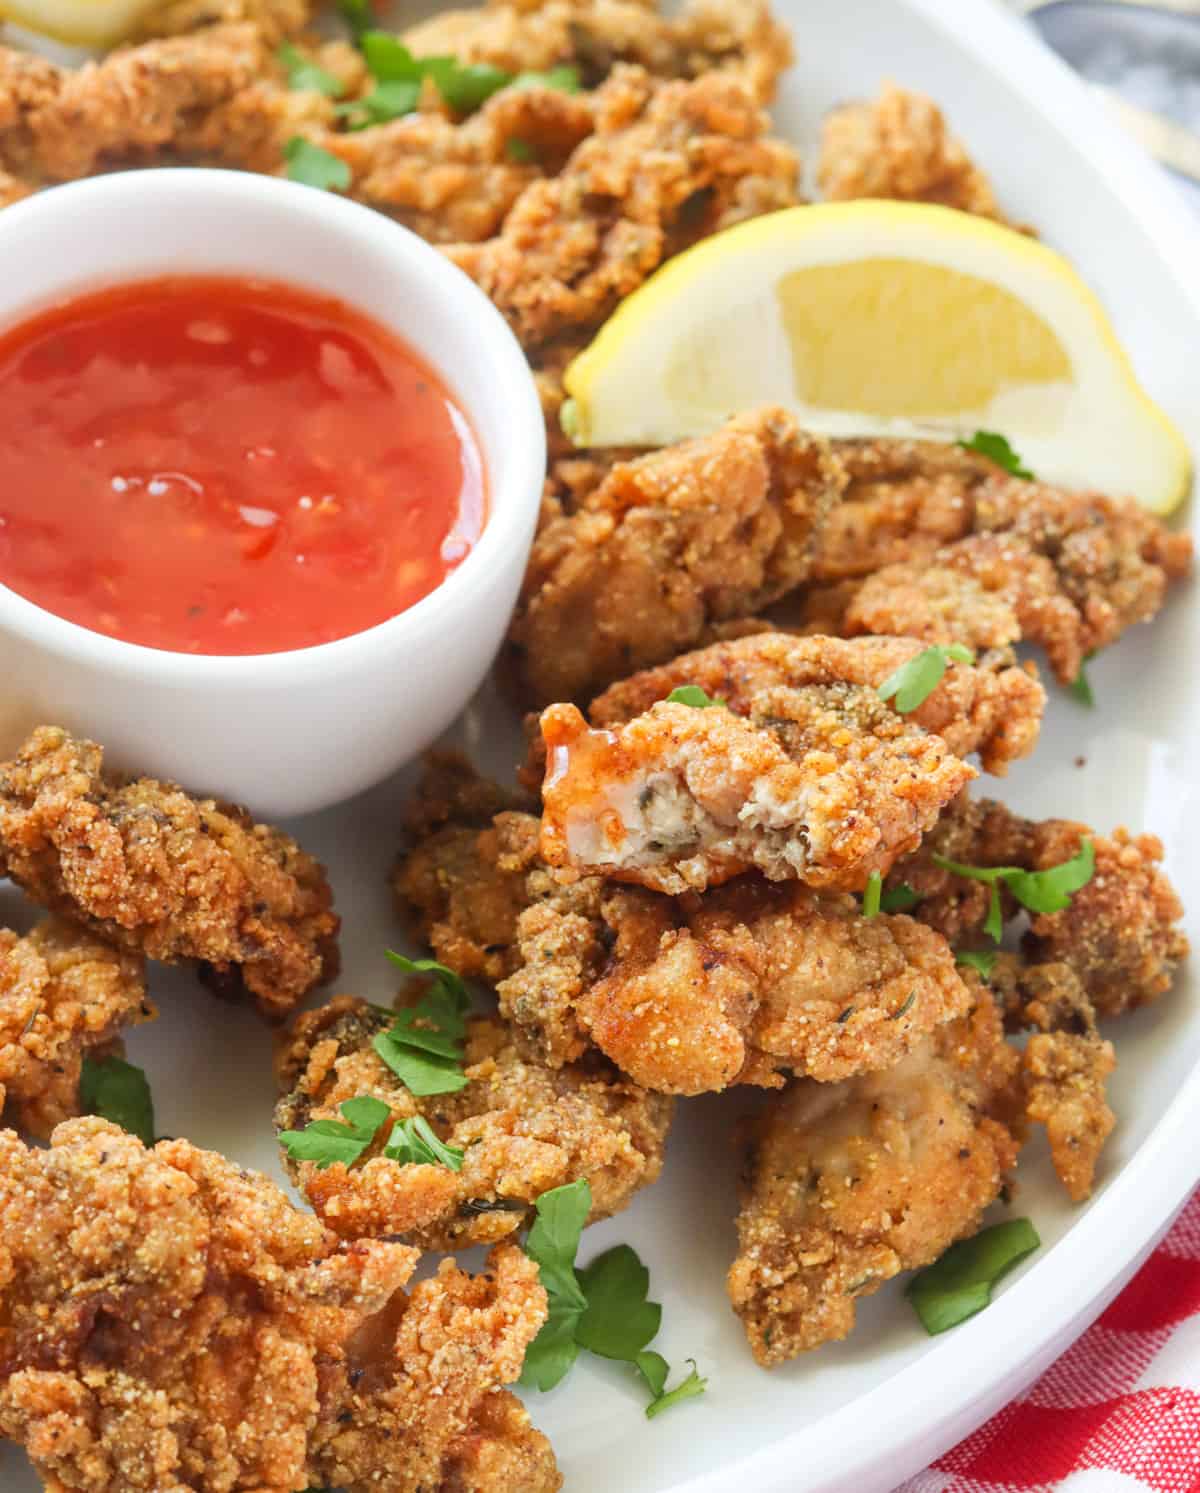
(938, 543)
(899, 146)
(152, 870)
(64, 996)
(825, 784)
(170, 1321)
(523, 1128)
(848, 1184)
(663, 547)
(1120, 932)
(995, 711)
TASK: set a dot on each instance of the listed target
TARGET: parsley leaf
(327, 1141)
(552, 1244)
(565, 79)
(982, 961)
(996, 448)
(873, 896)
(313, 167)
(391, 100)
(304, 73)
(1039, 891)
(960, 1284)
(618, 1321)
(899, 898)
(389, 60)
(1080, 688)
(357, 14)
(414, 1141)
(520, 151)
(912, 683)
(424, 1046)
(466, 87)
(692, 694)
(689, 1389)
(118, 1091)
(602, 1308)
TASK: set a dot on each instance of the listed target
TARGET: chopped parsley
(996, 448)
(602, 1307)
(692, 694)
(424, 1046)
(305, 74)
(1080, 688)
(960, 1284)
(413, 1142)
(400, 77)
(325, 1142)
(118, 1091)
(358, 15)
(912, 683)
(313, 167)
(873, 895)
(1039, 891)
(520, 151)
(899, 898)
(982, 961)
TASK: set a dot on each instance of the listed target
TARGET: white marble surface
(1153, 58)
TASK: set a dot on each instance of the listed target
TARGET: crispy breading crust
(63, 995)
(152, 870)
(740, 36)
(848, 1184)
(898, 146)
(665, 546)
(1119, 934)
(668, 164)
(825, 784)
(523, 1129)
(995, 712)
(170, 1321)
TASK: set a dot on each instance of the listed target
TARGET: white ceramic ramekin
(284, 733)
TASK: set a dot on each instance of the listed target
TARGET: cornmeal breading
(826, 784)
(523, 1128)
(848, 1184)
(154, 871)
(995, 712)
(899, 146)
(668, 164)
(170, 1321)
(740, 36)
(665, 546)
(64, 995)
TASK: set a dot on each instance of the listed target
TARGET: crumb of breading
(154, 871)
(64, 995)
(523, 1128)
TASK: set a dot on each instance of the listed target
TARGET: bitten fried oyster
(149, 869)
(826, 784)
(663, 547)
(523, 1128)
(848, 1184)
(64, 996)
(171, 1321)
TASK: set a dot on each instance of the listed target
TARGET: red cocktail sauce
(227, 467)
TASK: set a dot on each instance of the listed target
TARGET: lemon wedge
(882, 318)
(80, 23)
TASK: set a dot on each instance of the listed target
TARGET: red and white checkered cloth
(1120, 1410)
